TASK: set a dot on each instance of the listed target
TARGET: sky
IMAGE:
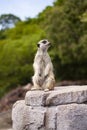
(23, 8)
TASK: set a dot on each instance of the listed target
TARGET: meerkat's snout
(49, 44)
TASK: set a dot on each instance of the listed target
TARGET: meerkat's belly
(42, 67)
(42, 61)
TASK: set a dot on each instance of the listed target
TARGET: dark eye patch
(38, 45)
(44, 41)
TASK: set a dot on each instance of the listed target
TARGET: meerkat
(43, 78)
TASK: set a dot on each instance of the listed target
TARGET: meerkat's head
(43, 45)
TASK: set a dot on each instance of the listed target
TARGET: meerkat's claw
(33, 89)
(46, 90)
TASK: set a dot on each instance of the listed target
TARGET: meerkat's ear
(38, 45)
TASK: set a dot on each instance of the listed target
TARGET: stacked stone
(64, 108)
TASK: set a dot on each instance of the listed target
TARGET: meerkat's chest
(43, 63)
(42, 60)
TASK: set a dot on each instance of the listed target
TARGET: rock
(5, 120)
(59, 96)
(11, 97)
(27, 117)
(51, 117)
(63, 108)
(35, 98)
(72, 117)
(67, 95)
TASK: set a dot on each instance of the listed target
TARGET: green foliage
(44, 15)
(16, 58)
(58, 2)
(68, 34)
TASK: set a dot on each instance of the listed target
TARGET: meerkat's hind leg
(36, 85)
(49, 84)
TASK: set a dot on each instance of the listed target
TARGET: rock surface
(72, 117)
(59, 96)
(5, 120)
(64, 108)
(27, 117)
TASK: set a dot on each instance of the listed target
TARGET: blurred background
(22, 24)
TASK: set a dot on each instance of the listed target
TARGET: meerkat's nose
(49, 43)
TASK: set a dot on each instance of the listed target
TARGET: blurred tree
(58, 2)
(8, 20)
(16, 59)
(65, 29)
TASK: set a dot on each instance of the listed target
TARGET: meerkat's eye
(44, 41)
